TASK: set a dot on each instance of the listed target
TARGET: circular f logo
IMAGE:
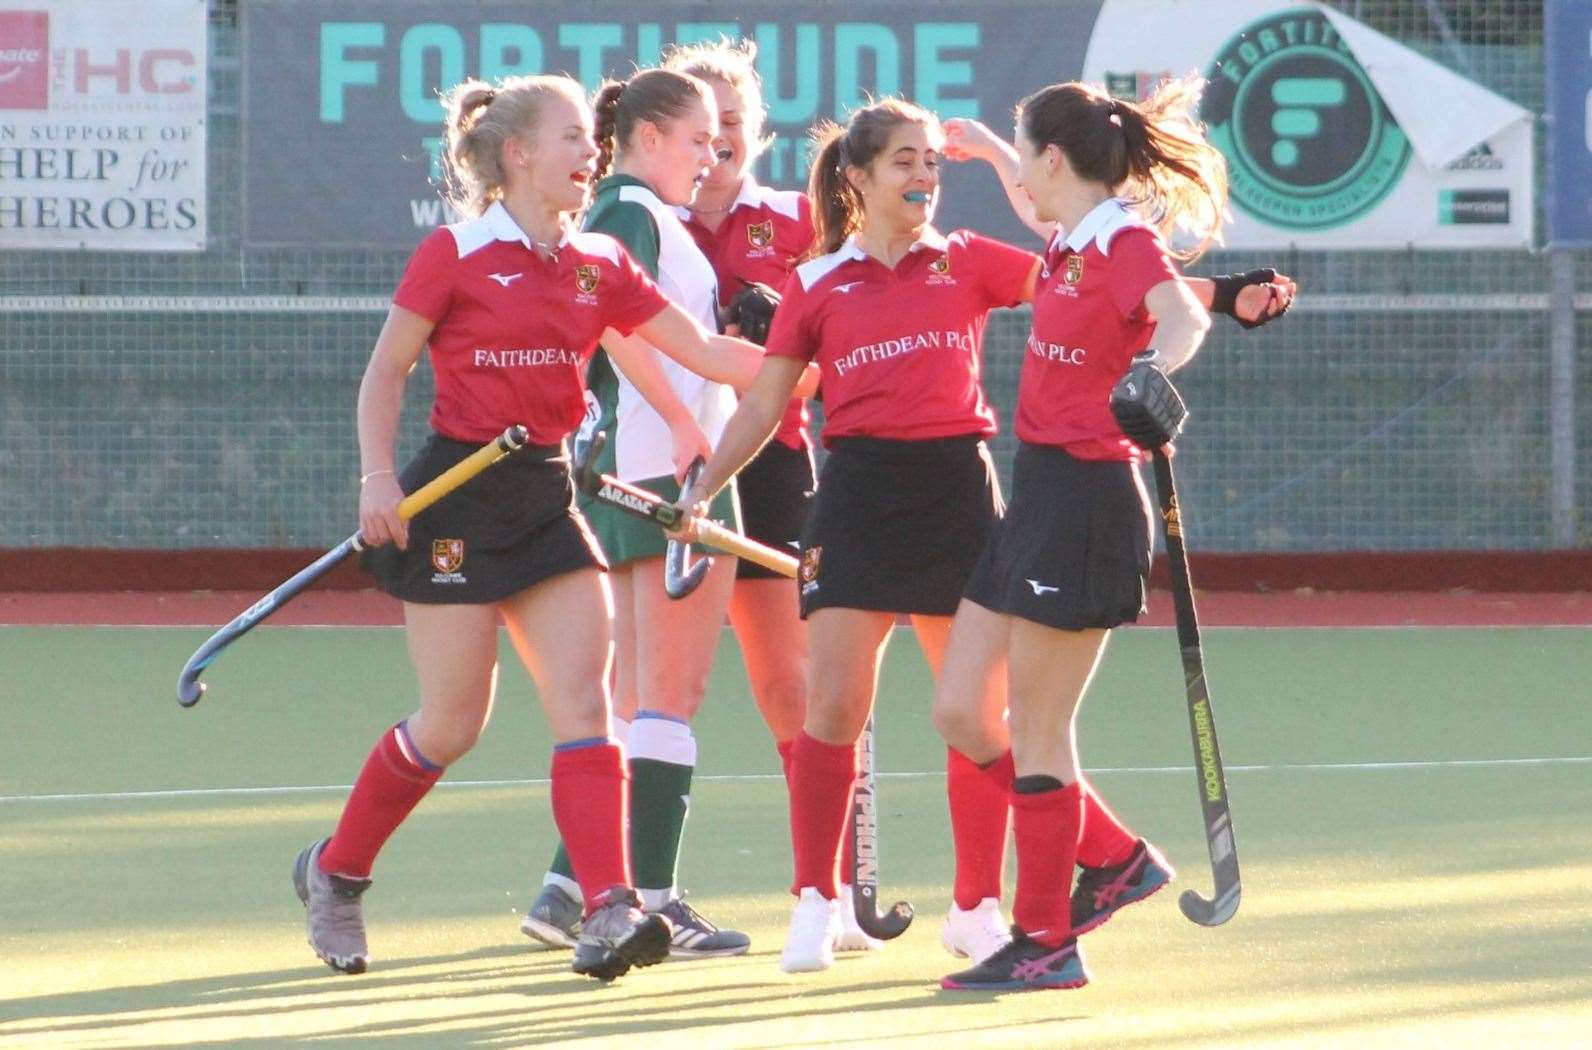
(1309, 143)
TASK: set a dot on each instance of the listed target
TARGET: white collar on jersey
(753, 194)
(931, 239)
(813, 270)
(503, 228)
(1104, 221)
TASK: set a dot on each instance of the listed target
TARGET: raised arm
(381, 396)
(967, 139)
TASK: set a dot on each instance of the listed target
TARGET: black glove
(1224, 300)
(752, 309)
(1146, 404)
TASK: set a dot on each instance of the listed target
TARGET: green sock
(660, 795)
(663, 756)
(561, 864)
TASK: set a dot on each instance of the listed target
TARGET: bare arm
(639, 362)
(754, 422)
(381, 396)
(1180, 323)
(970, 140)
(721, 358)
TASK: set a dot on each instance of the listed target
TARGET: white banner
(1335, 135)
(102, 124)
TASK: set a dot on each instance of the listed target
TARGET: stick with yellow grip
(190, 689)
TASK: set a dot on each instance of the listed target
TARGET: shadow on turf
(198, 993)
(661, 1012)
(549, 1014)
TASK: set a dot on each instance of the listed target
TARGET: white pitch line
(1307, 767)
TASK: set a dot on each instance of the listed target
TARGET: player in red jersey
(1071, 557)
(512, 302)
(894, 314)
(754, 236)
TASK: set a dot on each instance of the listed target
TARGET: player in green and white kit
(658, 128)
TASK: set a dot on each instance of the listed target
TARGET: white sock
(569, 886)
(654, 900)
(662, 740)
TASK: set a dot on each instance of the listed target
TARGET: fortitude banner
(1335, 135)
(343, 129)
(102, 124)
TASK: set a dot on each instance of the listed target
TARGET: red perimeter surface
(1302, 608)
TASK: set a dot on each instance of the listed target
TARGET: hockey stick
(643, 504)
(865, 854)
(190, 689)
(1207, 756)
(680, 577)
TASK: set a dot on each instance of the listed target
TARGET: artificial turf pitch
(1385, 904)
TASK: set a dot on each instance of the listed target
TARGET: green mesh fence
(169, 401)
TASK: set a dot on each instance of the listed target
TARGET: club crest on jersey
(807, 573)
(940, 271)
(447, 557)
(761, 234)
(1074, 272)
(586, 277)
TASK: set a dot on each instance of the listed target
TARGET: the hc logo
(1300, 101)
(24, 60)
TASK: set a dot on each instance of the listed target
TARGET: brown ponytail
(837, 206)
(605, 106)
(1154, 153)
(653, 95)
(837, 211)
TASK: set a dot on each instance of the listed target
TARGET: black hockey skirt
(776, 491)
(509, 528)
(897, 526)
(1073, 551)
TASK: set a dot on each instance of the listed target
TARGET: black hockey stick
(680, 576)
(1207, 755)
(190, 689)
(865, 855)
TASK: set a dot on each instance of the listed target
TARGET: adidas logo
(1480, 158)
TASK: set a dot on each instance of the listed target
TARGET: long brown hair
(653, 95)
(1154, 153)
(480, 118)
(837, 206)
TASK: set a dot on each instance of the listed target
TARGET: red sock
(1047, 825)
(980, 800)
(394, 779)
(1105, 841)
(821, 779)
(785, 749)
(591, 810)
